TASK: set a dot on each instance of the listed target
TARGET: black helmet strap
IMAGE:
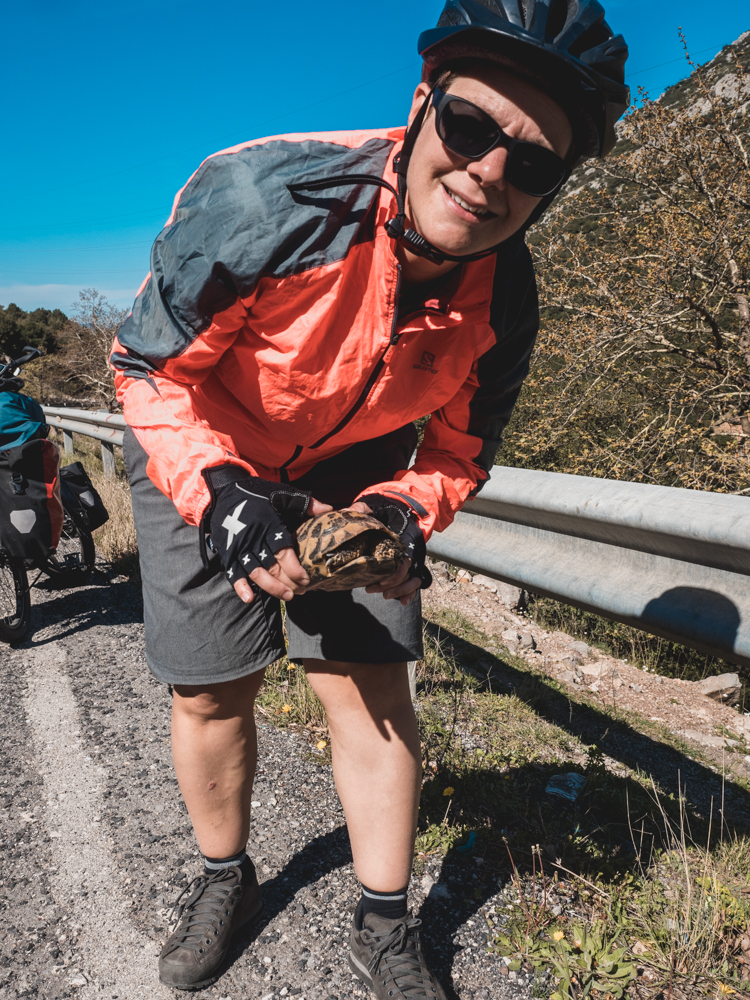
(396, 227)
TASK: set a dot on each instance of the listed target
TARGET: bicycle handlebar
(9, 372)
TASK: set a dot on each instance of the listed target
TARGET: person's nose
(490, 170)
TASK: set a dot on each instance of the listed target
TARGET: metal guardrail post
(68, 442)
(108, 458)
(107, 448)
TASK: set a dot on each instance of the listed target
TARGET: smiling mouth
(480, 213)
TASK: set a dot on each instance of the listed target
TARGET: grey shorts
(197, 629)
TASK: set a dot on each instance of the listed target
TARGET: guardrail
(100, 424)
(672, 562)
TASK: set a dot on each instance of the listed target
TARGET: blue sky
(108, 108)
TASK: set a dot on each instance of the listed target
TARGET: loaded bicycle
(47, 513)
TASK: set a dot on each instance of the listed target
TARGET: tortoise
(345, 549)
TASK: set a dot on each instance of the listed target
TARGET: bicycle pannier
(82, 501)
(31, 513)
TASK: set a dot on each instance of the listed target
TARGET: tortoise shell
(345, 549)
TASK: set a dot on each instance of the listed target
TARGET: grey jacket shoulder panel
(236, 222)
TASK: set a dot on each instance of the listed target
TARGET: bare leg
(376, 763)
(215, 750)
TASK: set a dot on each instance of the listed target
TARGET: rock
(636, 687)
(427, 883)
(571, 660)
(707, 741)
(440, 891)
(464, 576)
(602, 672)
(581, 648)
(486, 582)
(439, 569)
(526, 640)
(570, 677)
(724, 687)
(513, 598)
(510, 635)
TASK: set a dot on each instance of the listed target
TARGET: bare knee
(378, 690)
(211, 702)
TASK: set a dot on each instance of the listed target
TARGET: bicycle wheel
(74, 558)
(15, 600)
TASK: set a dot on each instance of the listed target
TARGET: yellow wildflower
(286, 708)
(448, 791)
(558, 935)
(321, 745)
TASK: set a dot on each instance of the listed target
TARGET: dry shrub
(642, 371)
(116, 540)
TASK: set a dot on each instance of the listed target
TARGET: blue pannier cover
(21, 420)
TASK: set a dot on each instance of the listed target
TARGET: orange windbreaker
(268, 332)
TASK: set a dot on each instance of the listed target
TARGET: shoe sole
(252, 916)
(360, 971)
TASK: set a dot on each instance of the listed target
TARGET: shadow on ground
(674, 772)
(78, 609)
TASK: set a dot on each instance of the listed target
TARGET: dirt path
(97, 844)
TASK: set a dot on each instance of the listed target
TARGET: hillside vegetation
(74, 370)
(642, 370)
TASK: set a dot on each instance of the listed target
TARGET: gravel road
(97, 843)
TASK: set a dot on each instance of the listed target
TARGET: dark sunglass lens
(465, 129)
(534, 169)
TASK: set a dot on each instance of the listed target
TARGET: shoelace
(205, 900)
(396, 961)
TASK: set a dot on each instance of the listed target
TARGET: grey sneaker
(386, 955)
(215, 907)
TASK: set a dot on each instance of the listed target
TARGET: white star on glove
(233, 524)
(263, 554)
(279, 536)
(230, 574)
(411, 545)
(245, 560)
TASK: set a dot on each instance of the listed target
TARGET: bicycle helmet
(563, 47)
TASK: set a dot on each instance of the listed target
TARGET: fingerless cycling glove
(399, 517)
(249, 519)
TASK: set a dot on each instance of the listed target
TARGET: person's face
(465, 206)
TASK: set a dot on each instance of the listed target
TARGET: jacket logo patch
(427, 363)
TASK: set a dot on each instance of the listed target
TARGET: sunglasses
(467, 130)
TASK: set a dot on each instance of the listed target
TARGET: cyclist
(309, 298)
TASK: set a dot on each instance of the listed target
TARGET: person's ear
(418, 100)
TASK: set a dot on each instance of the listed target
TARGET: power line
(648, 69)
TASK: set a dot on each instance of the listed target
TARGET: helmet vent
(524, 8)
(597, 34)
(450, 19)
(558, 18)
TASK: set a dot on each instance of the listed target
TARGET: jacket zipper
(374, 375)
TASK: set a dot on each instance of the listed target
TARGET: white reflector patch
(88, 498)
(23, 520)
